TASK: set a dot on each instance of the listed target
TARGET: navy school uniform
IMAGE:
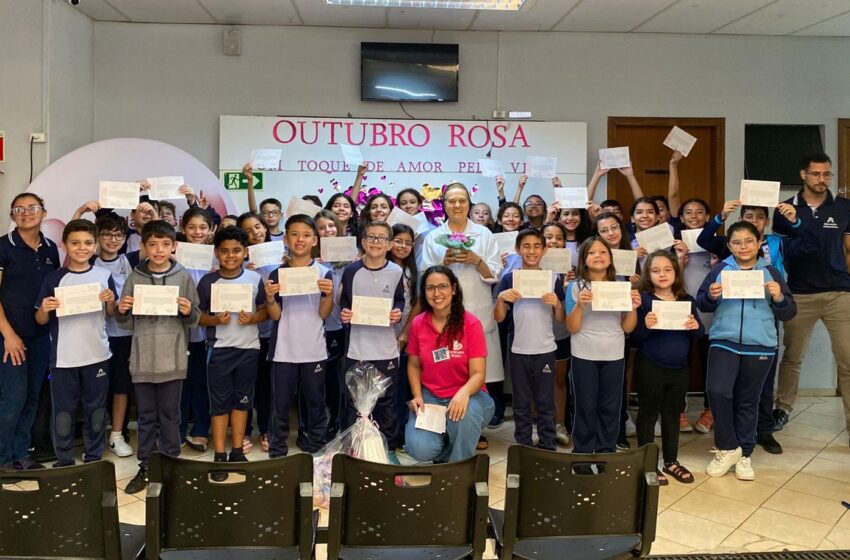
(376, 345)
(298, 353)
(335, 342)
(532, 360)
(194, 396)
(119, 339)
(234, 348)
(79, 362)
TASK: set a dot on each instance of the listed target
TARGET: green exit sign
(236, 181)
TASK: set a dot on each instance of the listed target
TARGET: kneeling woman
(447, 355)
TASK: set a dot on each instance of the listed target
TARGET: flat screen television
(421, 72)
(773, 152)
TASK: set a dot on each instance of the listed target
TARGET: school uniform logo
(334, 344)
(318, 368)
(244, 400)
(391, 366)
(546, 369)
(386, 289)
(457, 346)
(830, 223)
(100, 373)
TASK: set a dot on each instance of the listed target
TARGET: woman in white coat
(477, 269)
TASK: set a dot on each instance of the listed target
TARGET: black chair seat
(578, 548)
(418, 553)
(132, 541)
(231, 553)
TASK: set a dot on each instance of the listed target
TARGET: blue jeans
(460, 439)
(19, 390)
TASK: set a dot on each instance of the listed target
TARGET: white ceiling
(738, 17)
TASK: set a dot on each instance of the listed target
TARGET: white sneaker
(631, 429)
(723, 461)
(561, 435)
(744, 469)
(120, 447)
(658, 428)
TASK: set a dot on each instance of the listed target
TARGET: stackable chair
(582, 507)
(262, 511)
(407, 513)
(69, 512)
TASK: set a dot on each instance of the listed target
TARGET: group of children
(567, 361)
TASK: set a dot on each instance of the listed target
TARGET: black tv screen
(773, 152)
(408, 72)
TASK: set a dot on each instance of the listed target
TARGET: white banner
(400, 154)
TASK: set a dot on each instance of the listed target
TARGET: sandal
(680, 473)
(662, 480)
(482, 443)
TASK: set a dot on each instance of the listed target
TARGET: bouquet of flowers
(458, 242)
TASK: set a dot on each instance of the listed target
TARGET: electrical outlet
(497, 114)
(38, 138)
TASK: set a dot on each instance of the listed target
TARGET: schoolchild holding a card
(598, 351)
(661, 366)
(743, 343)
(232, 334)
(79, 346)
(158, 374)
(297, 350)
(532, 352)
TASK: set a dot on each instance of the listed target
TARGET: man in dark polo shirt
(819, 281)
(26, 257)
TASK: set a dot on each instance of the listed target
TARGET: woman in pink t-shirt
(447, 360)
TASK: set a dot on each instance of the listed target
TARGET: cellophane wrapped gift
(363, 439)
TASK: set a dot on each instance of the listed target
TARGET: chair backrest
(261, 510)
(563, 494)
(60, 513)
(385, 505)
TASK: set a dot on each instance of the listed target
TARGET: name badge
(440, 355)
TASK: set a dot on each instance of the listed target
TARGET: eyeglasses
(113, 236)
(534, 205)
(818, 174)
(400, 243)
(738, 243)
(609, 229)
(377, 239)
(31, 209)
(271, 213)
(431, 288)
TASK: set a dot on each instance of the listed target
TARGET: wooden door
(843, 183)
(701, 174)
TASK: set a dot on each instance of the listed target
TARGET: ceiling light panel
(502, 5)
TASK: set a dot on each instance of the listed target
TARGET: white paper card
(195, 256)
(264, 254)
(680, 140)
(612, 296)
(625, 262)
(120, 195)
(672, 315)
(541, 166)
(155, 300)
(74, 300)
(557, 260)
(265, 159)
(165, 188)
(533, 283)
(655, 238)
(417, 223)
(689, 236)
(742, 284)
(338, 249)
(352, 154)
(231, 297)
(299, 206)
(571, 197)
(433, 418)
(615, 158)
(506, 241)
(759, 193)
(298, 281)
(371, 311)
(491, 167)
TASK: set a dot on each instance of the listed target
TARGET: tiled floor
(794, 503)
